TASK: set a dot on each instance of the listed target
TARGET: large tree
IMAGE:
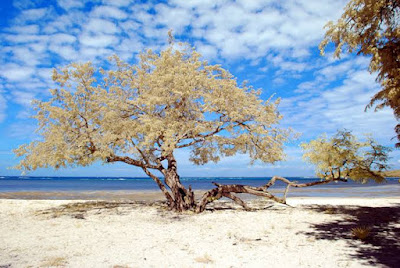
(372, 28)
(141, 114)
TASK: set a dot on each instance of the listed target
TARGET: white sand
(144, 236)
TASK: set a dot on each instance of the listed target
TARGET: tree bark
(167, 195)
(229, 190)
(183, 199)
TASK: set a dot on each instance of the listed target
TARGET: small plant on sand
(54, 262)
(330, 210)
(205, 259)
(361, 232)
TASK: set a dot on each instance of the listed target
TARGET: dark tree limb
(227, 190)
(230, 190)
(160, 185)
(237, 200)
(133, 162)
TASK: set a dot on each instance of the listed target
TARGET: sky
(272, 44)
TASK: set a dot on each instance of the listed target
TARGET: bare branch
(237, 200)
(229, 190)
(160, 185)
(130, 161)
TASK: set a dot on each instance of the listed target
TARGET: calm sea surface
(9, 184)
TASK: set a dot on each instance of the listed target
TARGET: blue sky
(272, 44)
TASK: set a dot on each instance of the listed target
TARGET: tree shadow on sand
(381, 247)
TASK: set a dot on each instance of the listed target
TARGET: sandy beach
(311, 232)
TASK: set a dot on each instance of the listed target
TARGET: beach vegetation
(54, 262)
(392, 173)
(344, 157)
(141, 114)
(206, 259)
(361, 232)
(371, 28)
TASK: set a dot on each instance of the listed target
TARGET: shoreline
(382, 191)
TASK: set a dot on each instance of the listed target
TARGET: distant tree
(343, 157)
(141, 114)
(372, 28)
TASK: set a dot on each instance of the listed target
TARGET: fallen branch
(230, 190)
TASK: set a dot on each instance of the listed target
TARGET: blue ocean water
(56, 184)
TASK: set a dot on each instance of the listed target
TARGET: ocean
(53, 186)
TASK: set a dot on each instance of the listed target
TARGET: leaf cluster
(140, 114)
(372, 28)
(343, 156)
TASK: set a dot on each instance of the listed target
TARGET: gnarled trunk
(183, 199)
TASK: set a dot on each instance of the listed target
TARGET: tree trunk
(183, 199)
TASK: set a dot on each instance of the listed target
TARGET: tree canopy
(371, 28)
(141, 114)
(343, 156)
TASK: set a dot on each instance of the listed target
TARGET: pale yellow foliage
(371, 27)
(139, 114)
(345, 157)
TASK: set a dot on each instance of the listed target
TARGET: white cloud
(118, 3)
(176, 18)
(62, 38)
(3, 108)
(23, 98)
(252, 5)
(45, 73)
(129, 26)
(32, 14)
(109, 12)
(206, 51)
(24, 38)
(15, 72)
(69, 23)
(90, 53)
(26, 29)
(65, 51)
(323, 107)
(277, 39)
(101, 26)
(99, 40)
(129, 47)
(25, 55)
(70, 4)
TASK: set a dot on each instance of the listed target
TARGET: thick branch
(298, 185)
(237, 200)
(229, 190)
(133, 162)
(226, 190)
(160, 185)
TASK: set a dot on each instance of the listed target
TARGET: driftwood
(231, 190)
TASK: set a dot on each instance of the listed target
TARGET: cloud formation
(274, 43)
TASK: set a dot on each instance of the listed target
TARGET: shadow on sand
(380, 248)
